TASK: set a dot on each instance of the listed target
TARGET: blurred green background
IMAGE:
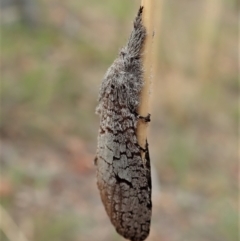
(53, 56)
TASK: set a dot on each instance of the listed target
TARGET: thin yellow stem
(9, 227)
(148, 20)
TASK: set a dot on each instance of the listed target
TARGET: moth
(123, 176)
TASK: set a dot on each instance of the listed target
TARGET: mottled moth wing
(123, 178)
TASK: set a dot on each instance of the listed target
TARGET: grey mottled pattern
(123, 178)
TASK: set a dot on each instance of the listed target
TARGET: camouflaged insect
(123, 177)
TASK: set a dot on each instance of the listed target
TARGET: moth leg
(145, 150)
(145, 118)
(146, 157)
(95, 161)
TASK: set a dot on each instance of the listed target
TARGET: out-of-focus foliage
(53, 57)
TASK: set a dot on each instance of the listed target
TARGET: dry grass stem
(148, 20)
(9, 228)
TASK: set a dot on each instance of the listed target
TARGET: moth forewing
(123, 177)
